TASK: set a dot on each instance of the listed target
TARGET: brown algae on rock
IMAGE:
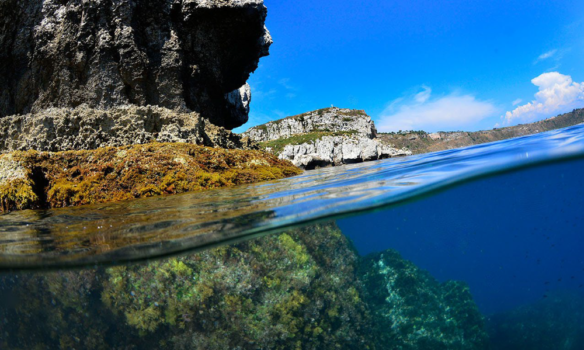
(31, 179)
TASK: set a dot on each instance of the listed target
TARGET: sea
(473, 248)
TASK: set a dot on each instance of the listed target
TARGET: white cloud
(546, 55)
(422, 112)
(517, 101)
(558, 93)
(423, 96)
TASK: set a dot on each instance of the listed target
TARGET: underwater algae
(31, 179)
(306, 288)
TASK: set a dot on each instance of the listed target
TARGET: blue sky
(431, 65)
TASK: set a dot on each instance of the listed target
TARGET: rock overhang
(185, 55)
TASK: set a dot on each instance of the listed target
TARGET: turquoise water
(477, 248)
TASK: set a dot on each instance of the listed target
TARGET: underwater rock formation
(83, 128)
(293, 290)
(411, 310)
(33, 179)
(326, 137)
(299, 289)
(191, 55)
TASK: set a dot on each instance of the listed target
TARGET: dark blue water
(513, 238)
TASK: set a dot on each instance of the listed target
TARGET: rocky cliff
(326, 137)
(188, 56)
(108, 100)
(322, 120)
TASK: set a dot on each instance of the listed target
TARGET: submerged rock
(411, 310)
(294, 290)
(182, 55)
(326, 137)
(34, 179)
(301, 289)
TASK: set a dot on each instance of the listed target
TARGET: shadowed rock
(188, 56)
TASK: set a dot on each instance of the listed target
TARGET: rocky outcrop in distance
(338, 150)
(326, 137)
(187, 56)
(419, 142)
(322, 120)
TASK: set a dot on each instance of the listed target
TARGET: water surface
(161, 226)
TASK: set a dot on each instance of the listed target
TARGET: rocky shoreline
(32, 179)
(325, 137)
(109, 100)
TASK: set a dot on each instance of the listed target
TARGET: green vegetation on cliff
(277, 146)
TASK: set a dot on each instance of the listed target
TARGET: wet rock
(294, 290)
(412, 310)
(32, 179)
(182, 55)
(84, 128)
(304, 288)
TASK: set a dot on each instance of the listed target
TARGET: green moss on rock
(120, 173)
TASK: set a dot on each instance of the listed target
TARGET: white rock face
(330, 119)
(342, 136)
(338, 150)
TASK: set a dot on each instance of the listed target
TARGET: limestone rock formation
(338, 150)
(326, 137)
(83, 128)
(188, 56)
(322, 120)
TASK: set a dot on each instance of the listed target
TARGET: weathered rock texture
(189, 55)
(63, 129)
(322, 120)
(325, 137)
(300, 289)
(338, 150)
